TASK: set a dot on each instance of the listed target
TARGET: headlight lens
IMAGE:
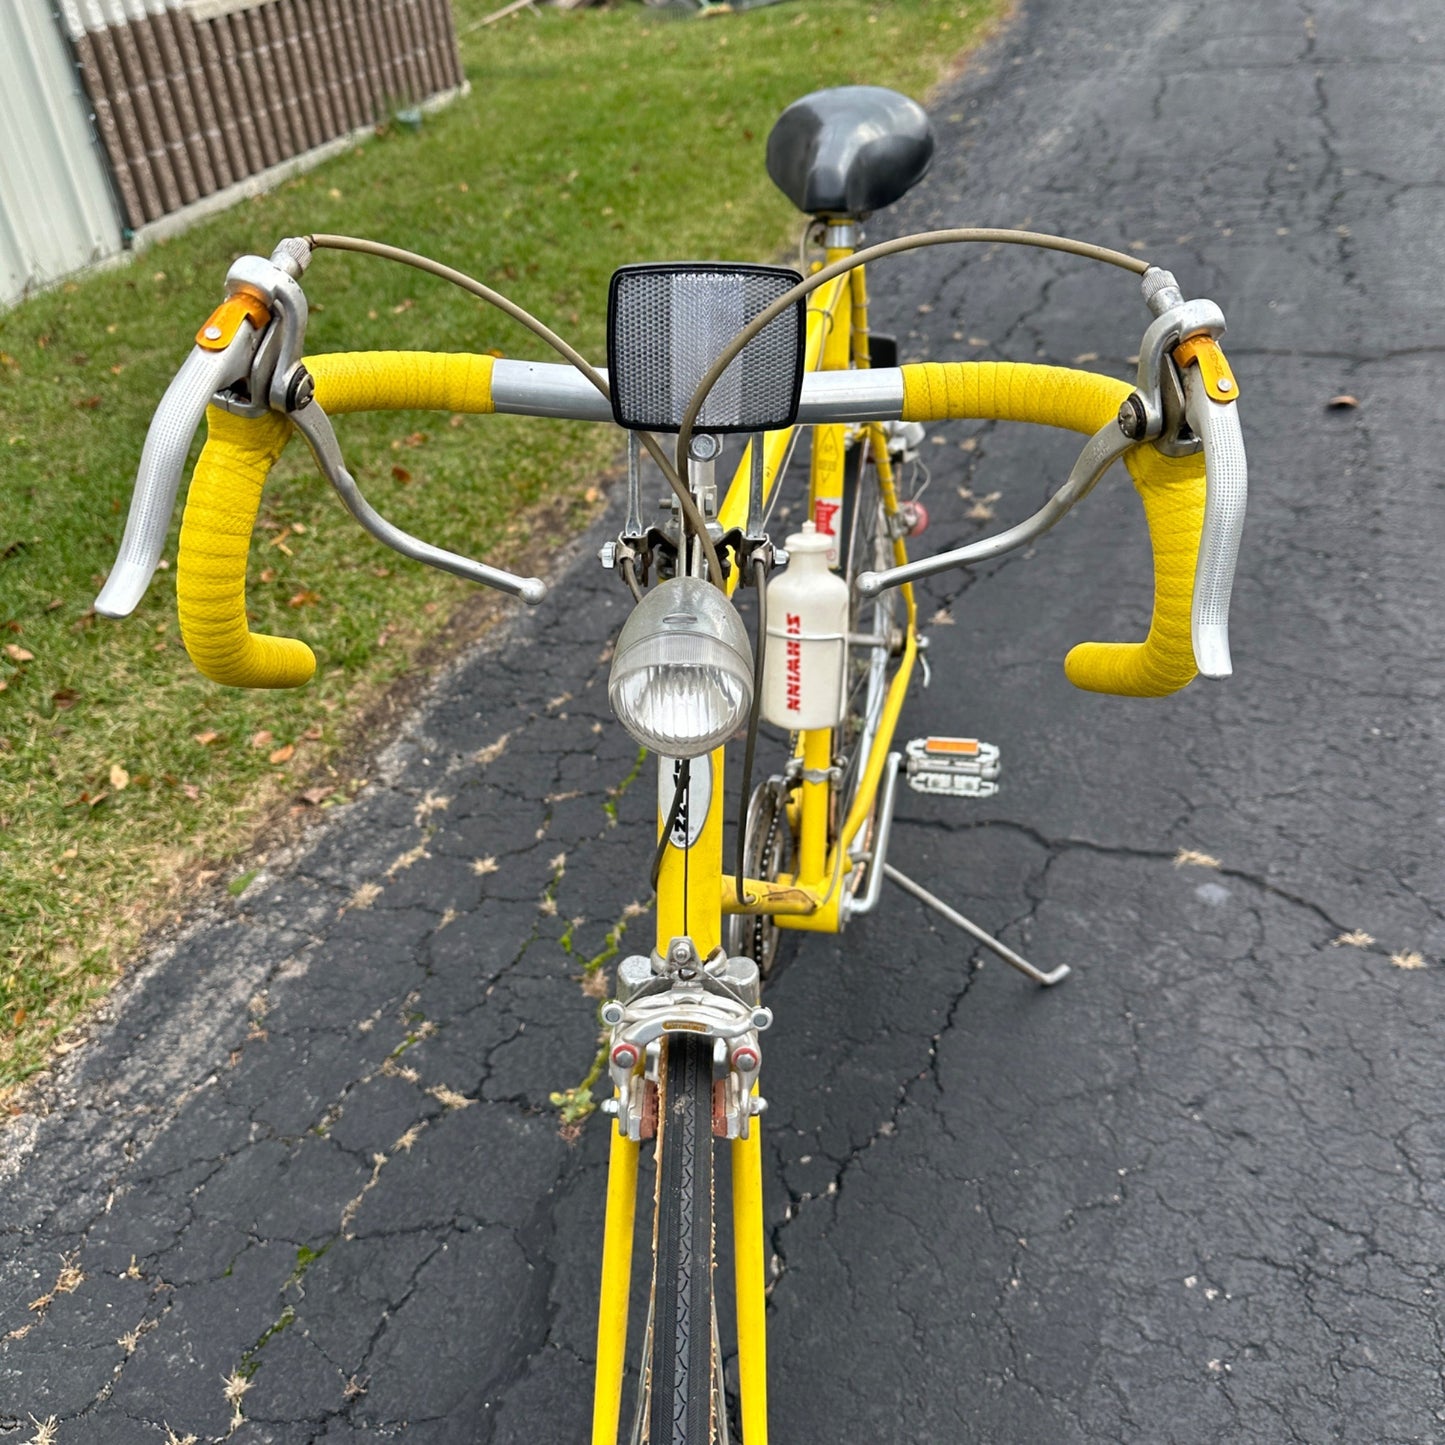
(682, 676)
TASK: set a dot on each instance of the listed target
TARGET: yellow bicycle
(702, 352)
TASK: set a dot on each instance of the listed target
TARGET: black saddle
(849, 151)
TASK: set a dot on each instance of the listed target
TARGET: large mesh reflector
(666, 325)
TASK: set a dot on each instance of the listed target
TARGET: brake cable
(776, 308)
(692, 517)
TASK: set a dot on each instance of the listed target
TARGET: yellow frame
(694, 890)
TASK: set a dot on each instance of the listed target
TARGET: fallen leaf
(414, 439)
(206, 738)
(316, 796)
(268, 574)
(54, 603)
(402, 306)
(191, 791)
(283, 754)
(1343, 402)
(1408, 959)
(86, 403)
(313, 733)
(1355, 938)
(456, 420)
(65, 698)
(304, 598)
(299, 528)
(18, 654)
(400, 474)
(261, 739)
(119, 778)
(1190, 857)
(365, 896)
(591, 494)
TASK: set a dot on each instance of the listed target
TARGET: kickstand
(974, 931)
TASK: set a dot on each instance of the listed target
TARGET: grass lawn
(589, 139)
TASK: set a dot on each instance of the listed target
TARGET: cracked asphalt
(1194, 1194)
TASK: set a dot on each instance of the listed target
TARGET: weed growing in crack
(609, 804)
(239, 1381)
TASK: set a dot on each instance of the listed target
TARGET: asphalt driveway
(306, 1185)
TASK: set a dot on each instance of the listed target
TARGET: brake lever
(168, 441)
(315, 426)
(257, 329)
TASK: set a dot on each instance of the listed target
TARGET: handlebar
(248, 361)
(225, 498)
(1171, 488)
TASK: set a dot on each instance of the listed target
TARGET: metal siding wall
(56, 210)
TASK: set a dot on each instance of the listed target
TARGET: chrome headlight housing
(682, 675)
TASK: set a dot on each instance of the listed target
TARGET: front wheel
(681, 1381)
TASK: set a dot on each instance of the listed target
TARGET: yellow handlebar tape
(402, 381)
(225, 496)
(1171, 488)
(221, 509)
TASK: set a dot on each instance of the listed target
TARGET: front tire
(680, 1384)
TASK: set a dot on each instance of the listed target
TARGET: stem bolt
(1131, 417)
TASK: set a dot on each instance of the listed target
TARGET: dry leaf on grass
(283, 754)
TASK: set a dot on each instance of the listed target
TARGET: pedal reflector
(953, 767)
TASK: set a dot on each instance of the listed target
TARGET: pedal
(954, 767)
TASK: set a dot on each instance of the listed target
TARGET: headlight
(682, 676)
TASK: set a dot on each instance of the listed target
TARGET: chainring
(767, 853)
